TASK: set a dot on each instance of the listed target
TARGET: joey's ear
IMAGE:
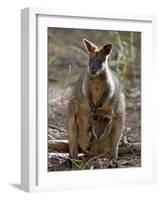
(90, 47)
(106, 49)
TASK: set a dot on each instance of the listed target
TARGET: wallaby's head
(97, 57)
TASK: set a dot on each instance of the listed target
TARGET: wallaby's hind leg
(115, 139)
(73, 137)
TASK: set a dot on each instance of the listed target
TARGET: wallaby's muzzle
(95, 65)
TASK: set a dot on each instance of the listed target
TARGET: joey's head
(97, 57)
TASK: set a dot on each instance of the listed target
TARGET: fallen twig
(63, 146)
(55, 127)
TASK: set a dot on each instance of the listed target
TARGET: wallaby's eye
(99, 61)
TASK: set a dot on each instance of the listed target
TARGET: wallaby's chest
(97, 89)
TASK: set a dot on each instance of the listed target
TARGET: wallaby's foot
(113, 164)
(68, 164)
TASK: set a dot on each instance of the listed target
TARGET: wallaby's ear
(106, 49)
(90, 47)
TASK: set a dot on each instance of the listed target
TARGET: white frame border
(29, 85)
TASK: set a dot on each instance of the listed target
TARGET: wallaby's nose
(93, 70)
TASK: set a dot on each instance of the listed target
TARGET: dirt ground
(57, 114)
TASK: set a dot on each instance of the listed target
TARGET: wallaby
(97, 94)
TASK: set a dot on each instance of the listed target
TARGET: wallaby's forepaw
(113, 163)
(99, 104)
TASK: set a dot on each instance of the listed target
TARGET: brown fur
(95, 90)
